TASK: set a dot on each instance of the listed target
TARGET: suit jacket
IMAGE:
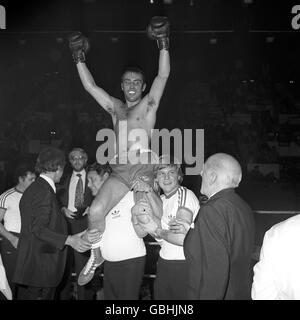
(63, 194)
(41, 250)
(218, 249)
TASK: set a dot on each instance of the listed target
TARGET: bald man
(218, 248)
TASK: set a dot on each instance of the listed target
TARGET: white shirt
(72, 188)
(4, 286)
(50, 181)
(181, 197)
(277, 274)
(9, 201)
(119, 240)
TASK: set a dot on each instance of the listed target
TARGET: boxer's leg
(111, 192)
(109, 195)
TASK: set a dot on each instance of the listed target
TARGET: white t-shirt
(9, 201)
(182, 197)
(119, 240)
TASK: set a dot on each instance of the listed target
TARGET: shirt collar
(82, 172)
(50, 181)
(221, 192)
(172, 193)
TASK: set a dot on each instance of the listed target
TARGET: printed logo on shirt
(115, 214)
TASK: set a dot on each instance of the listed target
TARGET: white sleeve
(3, 203)
(264, 286)
(191, 203)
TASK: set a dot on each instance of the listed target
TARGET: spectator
(10, 214)
(218, 249)
(41, 253)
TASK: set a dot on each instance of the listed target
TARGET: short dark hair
(135, 70)
(101, 169)
(49, 160)
(22, 170)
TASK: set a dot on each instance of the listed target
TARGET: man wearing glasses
(75, 197)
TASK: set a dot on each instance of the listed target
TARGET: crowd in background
(239, 116)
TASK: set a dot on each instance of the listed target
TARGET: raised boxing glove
(159, 30)
(79, 46)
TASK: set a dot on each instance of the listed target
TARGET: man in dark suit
(75, 197)
(218, 249)
(42, 245)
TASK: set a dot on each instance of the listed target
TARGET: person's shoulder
(187, 197)
(227, 198)
(5, 196)
(117, 104)
(287, 228)
(190, 193)
(7, 193)
(37, 186)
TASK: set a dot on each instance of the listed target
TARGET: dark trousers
(171, 280)
(75, 262)
(9, 257)
(123, 279)
(36, 293)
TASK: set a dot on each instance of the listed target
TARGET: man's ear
(122, 86)
(212, 177)
(144, 87)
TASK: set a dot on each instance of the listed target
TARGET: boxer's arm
(79, 46)
(159, 82)
(158, 30)
(101, 96)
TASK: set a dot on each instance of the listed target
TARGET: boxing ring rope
(277, 211)
(116, 31)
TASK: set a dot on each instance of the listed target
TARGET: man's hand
(179, 226)
(86, 211)
(139, 185)
(159, 29)
(14, 241)
(140, 212)
(78, 243)
(91, 236)
(68, 213)
(79, 46)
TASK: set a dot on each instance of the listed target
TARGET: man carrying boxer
(137, 113)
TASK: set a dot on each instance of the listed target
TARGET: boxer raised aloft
(139, 113)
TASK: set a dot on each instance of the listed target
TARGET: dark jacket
(218, 250)
(80, 222)
(41, 250)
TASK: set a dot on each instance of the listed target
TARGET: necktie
(79, 192)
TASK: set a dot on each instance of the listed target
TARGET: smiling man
(178, 203)
(137, 113)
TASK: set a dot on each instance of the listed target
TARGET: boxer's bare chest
(135, 116)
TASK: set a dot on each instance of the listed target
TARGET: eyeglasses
(77, 158)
